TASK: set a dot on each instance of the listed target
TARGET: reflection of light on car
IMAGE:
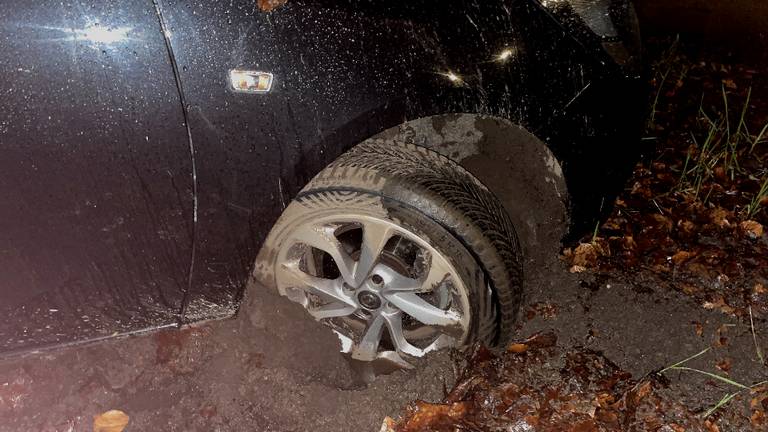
(505, 55)
(95, 35)
(102, 35)
(452, 77)
(551, 3)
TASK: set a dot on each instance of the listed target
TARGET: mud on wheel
(400, 251)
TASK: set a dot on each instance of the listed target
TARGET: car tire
(393, 234)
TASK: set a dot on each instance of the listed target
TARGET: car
(394, 167)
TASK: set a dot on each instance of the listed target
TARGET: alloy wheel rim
(383, 289)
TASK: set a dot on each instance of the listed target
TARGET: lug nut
(377, 280)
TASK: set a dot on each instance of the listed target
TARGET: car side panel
(95, 181)
(345, 71)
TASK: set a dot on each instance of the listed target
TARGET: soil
(271, 368)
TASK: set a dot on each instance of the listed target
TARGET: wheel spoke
(332, 310)
(394, 324)
(322, 237)
(375, 237)
(327, 288)
(437, 274)
(394, 281)
(422, 310)
(368, 346)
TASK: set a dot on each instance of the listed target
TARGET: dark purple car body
(136, 187)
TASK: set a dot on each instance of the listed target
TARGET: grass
(720, 151)
(728, 396)
(754, 337)
(667, 59)
(755, 205)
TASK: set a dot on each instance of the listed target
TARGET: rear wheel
(400, 251)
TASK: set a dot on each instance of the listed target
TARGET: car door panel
(95, 183)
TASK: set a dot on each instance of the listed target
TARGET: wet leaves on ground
(693, 216)
(545, 388)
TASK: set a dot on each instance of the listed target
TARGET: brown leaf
(719, 216)
(577, 269)
(110, 421)
(720, 173)
(517, 348)
(428, 415)
(729, 83)
(724, 364)
(759, 289)
(642, 391)
(542, 309)
(663, 222)
(388, 425)
(699, 328)
(719, 303)
(681, 257)
(686, 227)
(585, 255)
(269, 5)
(751, 229)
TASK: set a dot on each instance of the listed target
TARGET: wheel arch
(516, 166)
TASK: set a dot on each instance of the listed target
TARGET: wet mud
(271, 368)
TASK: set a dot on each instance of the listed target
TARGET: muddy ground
(271, 369)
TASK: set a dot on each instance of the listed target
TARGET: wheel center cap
(369, 300)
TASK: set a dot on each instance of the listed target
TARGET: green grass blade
(685, 361)
(711, 375)
(727, 398)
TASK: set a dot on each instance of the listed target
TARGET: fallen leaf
(681, 257)
(269, 5)
(642, 391)
(388, 425)
(663, 222)
(719, 303)
(427, 414)
(517, 348)
(686, 227)
(110, 421)
(585, 255)
(542, 309)
(577, 269)
(720, 173)
(699, 328)
(751, 229)
(719, 216)
(724, 365)
(759, 289)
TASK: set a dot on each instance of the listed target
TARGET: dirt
(271, 368)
